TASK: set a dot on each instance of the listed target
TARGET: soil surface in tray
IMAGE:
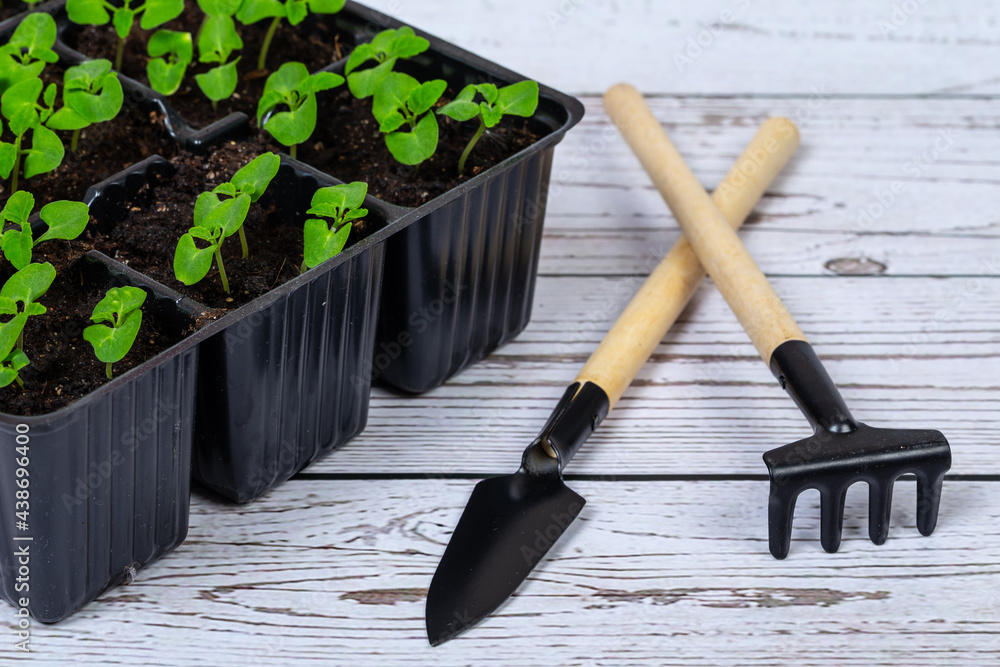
(159, 215)
(103, 150)
(348, 145)
(63, 366)
(316, 49)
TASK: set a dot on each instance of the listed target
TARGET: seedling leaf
(171, 53)
(220, 82)
(46, 152)
(11, 365)
(412, 148)
(118, 317)
(158, 12)
(28, 284)
(93, 91)
(293, 87)
(87, 12)
(65, 219)
(191, 263)
(254, 178)
(519, 99)
(218, 39)
(36, 34)
(340, 203)
(385, 49)
(122, 19)
(18, 207)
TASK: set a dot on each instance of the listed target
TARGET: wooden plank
(774, 46)
(939, 156)
(652, 573)
(614, 251)
(918, 353)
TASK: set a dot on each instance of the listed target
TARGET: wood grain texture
(882, 239)
(904, 351)
(321, 573)
(759, 46)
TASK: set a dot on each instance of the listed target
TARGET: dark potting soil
(348, 145)
(12, 8)
(316, 49)
(63, 365)
(161, 213)
(103, 150)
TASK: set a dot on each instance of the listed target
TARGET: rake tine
(880, 507)
(928, 501)
(781, 508)
(832, 518)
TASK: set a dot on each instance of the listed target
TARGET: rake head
(833, 461)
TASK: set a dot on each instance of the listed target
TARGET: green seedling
(170, 54)
(64, 219)
(11, 366)
(92, 94)
(117, 318)
(28, 50)
(295, 11)
(25, 288)
(216, 42)
(519, 99)
(220, 214)
(385, 49)
(152, 13)
(12, 358)
(19, 105)
(293, 87)
(342, 205)
(400, 100)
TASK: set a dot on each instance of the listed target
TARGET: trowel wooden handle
(662, 298)
(705, 224)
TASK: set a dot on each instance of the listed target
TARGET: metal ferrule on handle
(802, 375)
(581, 409)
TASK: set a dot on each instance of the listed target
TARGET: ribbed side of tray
(109, 489)
(288, 383)
(460, 281)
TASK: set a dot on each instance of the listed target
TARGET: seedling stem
(222, 268)
(472, 144)
(273, 28)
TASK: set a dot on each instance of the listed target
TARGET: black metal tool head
(508, 526)
(831, 462)
(841, 452)
(511, 522)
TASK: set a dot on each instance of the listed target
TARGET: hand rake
(841, 450)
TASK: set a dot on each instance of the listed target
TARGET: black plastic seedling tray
(460, 273)
(272, 386)
(94, 491)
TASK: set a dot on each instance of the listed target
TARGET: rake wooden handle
(662, 298)
(705, 223)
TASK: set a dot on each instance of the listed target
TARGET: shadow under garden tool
(511, 522)
(841, 451)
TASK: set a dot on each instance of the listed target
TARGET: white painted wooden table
(669, 562)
